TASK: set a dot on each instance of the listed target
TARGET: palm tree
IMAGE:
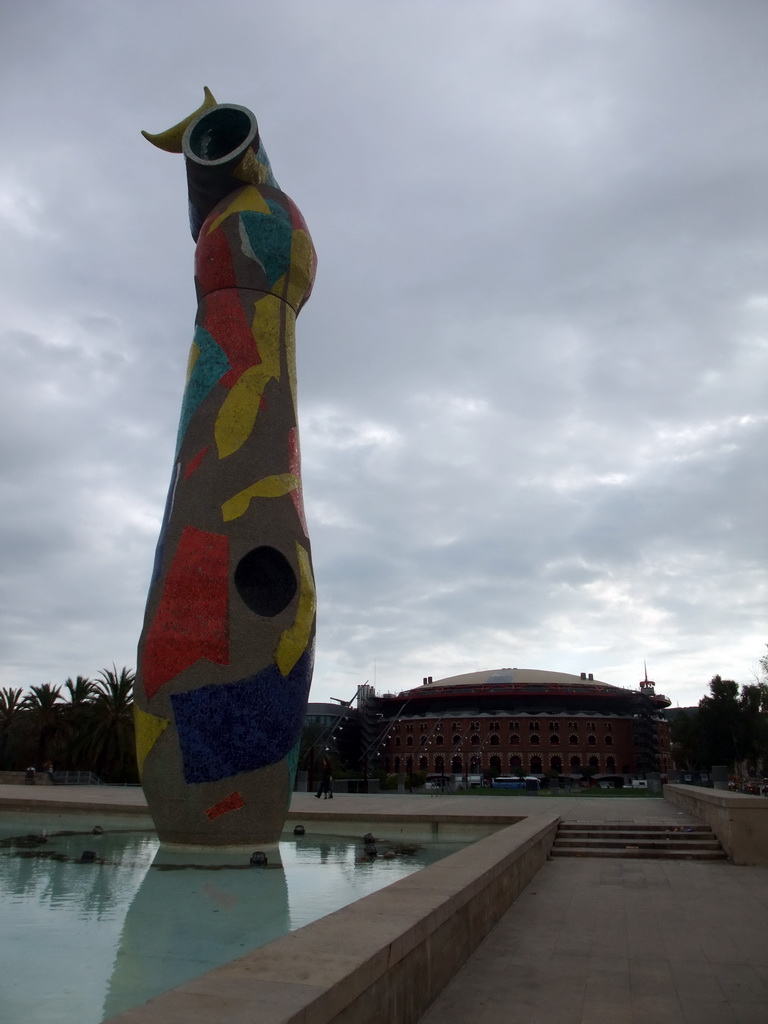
(77, 712)
(82, 691)
(44, 706)
(112, 745)
(11, 704)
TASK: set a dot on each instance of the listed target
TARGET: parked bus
(516, 782)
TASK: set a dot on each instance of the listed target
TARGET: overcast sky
(532, 375)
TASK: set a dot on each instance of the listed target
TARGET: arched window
(456, 765)
(575, 761)
(456, 740)
(474, 727)
(515, 762)
(594, 763)
(409, 727)
(610, 764)
(474, 764)
(423, 727)
(496, 765)
(608, 727)
(493, 726)
(495, 740)
(536, 766)
(457, 726)
(609, 741)
(423, 763)
(535, 739)
(439, 763)
(409, 741)
(555, 764)
(475, 741)
(423, 741)
(514, 738)
(397, 741)
(554, 739)
(554, 726)
(591, 726)
(573, 725)
(439, 740)
(591, 740)
(397, 765)
(409, 764)
(386, 765)
(533, 726)
(514, 726)
(573, 740)
(439, 727)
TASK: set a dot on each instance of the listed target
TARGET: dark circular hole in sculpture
(265, 581)
(220, 133)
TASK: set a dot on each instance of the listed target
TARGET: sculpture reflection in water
(225, 657)
(191, 915)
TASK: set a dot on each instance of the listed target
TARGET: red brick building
(521, 721)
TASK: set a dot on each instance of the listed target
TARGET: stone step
(570, 826)
(631, 834)
(590, 839)
(634, 842)
(630, 854)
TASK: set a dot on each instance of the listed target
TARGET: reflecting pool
(85, 937)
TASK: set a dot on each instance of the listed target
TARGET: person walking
(326, 781)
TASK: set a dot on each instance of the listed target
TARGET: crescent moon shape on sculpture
(170, 140)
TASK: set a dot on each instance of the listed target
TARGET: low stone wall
(20, 779)
(739, 821)
(382, 960)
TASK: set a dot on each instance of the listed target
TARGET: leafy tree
(733, 724)
(685, 733)
(721, 727)
(753, 707)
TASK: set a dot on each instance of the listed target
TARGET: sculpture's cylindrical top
(223, 151)
(221, 134)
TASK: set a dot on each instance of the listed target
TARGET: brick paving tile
(606, 1013)
(710, 1011)
(749, 1013)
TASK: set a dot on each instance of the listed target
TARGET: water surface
(81, 941)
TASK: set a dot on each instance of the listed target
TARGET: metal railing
(76, 779)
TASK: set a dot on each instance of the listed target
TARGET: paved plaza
(595, 941)
(590, 940)
(127, 799)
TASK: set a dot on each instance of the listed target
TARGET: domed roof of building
(519, 677)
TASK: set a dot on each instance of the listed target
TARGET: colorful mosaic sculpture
(225, 656)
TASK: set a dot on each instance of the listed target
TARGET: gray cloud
(531, 375)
